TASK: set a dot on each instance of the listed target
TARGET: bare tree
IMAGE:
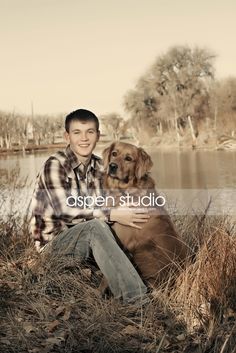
(223, 105)
(143, 106)
(7, 133)
(55, 126)
(21, 130)
(174, 89)
(113, 124)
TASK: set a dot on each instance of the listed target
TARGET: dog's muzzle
(113, 168)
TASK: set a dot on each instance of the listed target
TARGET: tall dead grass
(54, 305)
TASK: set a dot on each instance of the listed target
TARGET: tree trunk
(53, 139)
(192, 132)
(161, 128)
(176, 122)
(215, 117)
(7, 142)
(176, 127)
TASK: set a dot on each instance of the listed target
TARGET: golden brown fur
(156, 248)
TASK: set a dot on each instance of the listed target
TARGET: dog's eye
(114, 153)
(128, 158)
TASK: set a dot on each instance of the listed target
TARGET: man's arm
(56, 186)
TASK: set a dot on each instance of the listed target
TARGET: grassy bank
(56, 307)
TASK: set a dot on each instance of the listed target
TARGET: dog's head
(125, 162)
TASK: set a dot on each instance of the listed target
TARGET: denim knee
(98, 223)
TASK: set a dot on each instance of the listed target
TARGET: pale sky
(66, 54)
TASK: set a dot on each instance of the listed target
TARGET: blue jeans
(96, 236)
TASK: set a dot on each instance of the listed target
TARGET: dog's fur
(156, 248)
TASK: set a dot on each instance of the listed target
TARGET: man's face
(82, 137)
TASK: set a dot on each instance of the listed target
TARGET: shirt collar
(74, 162)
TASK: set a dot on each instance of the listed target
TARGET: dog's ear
(144, 163)
(106, 155)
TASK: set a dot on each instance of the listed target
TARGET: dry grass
(55, 306)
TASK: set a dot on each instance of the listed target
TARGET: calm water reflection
(171, 170)
(180, 175)
(194, 169)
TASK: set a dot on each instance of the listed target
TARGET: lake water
(189, 180)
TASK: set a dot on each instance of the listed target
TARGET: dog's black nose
(113, 167)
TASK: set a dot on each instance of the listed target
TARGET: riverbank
(31, 148)
(37, 148)
(207, 142)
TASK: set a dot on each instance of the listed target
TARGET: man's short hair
(82, 115)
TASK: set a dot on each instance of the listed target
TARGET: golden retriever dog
(155, 248)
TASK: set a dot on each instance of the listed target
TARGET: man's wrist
(104, 214)
(111, 215)
(108, 215)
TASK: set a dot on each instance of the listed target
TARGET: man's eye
(91, 132)
(114, 153)
(128, 158)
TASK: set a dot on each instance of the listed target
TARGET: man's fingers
(135, 225)
(140, 220)
(141, 216)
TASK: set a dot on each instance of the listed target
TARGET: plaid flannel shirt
(62, 176)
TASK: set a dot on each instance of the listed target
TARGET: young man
(77, 231)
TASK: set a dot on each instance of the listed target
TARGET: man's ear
(66, 136)
(144, 163)
(106, 155)
(98, 135)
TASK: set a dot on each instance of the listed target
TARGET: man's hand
(129, 216)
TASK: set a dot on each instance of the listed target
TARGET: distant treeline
(23, 130)
(177, 96)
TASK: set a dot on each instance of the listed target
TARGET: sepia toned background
(61, 54)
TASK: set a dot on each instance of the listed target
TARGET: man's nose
(84, 136)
